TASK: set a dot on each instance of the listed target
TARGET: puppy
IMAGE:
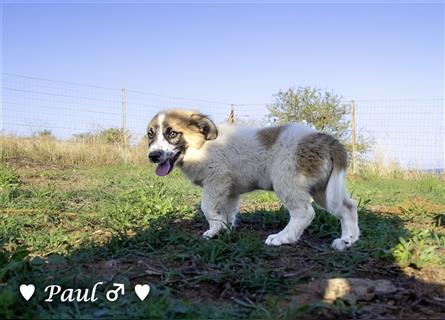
(295, 161)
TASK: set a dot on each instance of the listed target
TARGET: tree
(105, 136)
(45, 133)
(322, 110)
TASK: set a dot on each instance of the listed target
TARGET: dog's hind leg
(219, 209)
(346, 212)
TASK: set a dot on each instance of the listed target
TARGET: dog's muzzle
(155, 156)
(165, 161)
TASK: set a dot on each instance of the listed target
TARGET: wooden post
(231, 119)
(124, 126)
(354, 138)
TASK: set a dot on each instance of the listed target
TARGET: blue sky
(239, 53)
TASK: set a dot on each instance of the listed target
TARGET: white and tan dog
(295, 161)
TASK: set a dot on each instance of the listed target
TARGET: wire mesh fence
(409, 133)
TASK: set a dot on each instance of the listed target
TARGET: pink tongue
(163, 168)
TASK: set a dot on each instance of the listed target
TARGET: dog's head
(172, 132)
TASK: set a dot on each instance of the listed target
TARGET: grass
(46, 149)
(75, 225)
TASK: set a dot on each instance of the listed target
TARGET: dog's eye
(172, 134)
(150, 134)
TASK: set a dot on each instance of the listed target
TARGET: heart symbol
(27, 291)
(142, 291)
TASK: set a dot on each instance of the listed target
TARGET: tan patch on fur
(154, 126)
(184, 121)
(153, 122)
(316, 148)
(180, 120)
(268, 136)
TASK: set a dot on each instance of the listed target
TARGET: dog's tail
(335, 189)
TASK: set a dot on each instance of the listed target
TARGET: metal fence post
(124, 126)
(354, 138)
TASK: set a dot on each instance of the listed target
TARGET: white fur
(342, 207)
(335, 190)
(162, 144)
(237, 162)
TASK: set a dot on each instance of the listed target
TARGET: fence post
(231, 119)
(124, 126)
(354, 138)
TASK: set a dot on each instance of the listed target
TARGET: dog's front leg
(219, 209)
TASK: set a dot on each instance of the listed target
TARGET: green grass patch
(81, 225)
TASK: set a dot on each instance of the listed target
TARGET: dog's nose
(155, 156)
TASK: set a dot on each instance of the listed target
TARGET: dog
(295, 161)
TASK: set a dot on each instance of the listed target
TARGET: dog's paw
(279, 238)
(273, 240)
(209, 234)
(341, 244)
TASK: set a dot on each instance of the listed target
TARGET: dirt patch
(422, 204)
(417, 204)
(131, 267)
(429, 280)
(379, 297)
(348, 289)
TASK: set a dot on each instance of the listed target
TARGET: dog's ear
(205, 126)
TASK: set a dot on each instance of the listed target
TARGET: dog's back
(247, 154)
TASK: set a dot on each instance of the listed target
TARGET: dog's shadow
(235, 274)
